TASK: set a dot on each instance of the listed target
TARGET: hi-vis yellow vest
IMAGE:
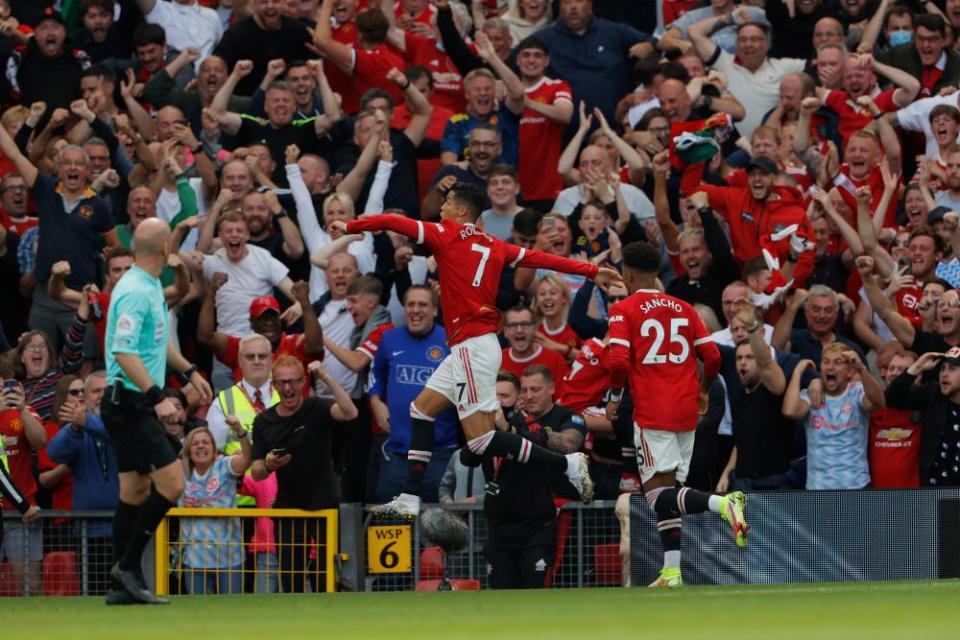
(3, 456)
(234, 402)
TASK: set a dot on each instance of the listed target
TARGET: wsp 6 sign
(388, 549)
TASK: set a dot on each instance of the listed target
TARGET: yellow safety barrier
(304, 546)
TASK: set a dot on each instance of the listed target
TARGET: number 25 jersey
(656, 339)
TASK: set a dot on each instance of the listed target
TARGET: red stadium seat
(60, 576)
(431, 563)
(8, 586)
(606, 559)
(428, 585)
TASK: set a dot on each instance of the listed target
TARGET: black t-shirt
(309, 481)
(926, 342)
(247, 41)
(300, 132)
(763, 437)
(402, 190)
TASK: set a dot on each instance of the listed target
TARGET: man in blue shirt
(84, 445)
(593, 54)
(405, 360)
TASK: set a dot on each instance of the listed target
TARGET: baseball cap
(263, 304)
(49, 14)
(936, 214)
(952, 356)
(764, 164)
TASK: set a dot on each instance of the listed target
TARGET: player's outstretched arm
(539, 260)
(414, 229)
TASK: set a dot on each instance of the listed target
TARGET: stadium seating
(606, 561)
(457, 584)
(60, 576)
(431, 563)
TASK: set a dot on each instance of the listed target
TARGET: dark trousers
(521, 564)
(351, 450)
(297, 540)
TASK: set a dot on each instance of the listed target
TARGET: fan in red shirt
(15, 198)
(551, 302)
(21, 433)
(369, 61)
(546, 107)
(519, 329)
(426, 167)
(893, 448)
(470, 263)
(265, 320)
(657, 340)
(423, 51)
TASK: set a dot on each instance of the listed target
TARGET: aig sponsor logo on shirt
(410, 374)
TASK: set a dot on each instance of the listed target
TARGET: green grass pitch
(874, 611)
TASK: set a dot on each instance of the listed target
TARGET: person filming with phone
(293, 439)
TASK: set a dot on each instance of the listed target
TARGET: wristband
(280, 214)
(406, 86)
(753, 327)
(184, 376)
(615, 396)
(705, 210)
(155, 395)
(245, 434)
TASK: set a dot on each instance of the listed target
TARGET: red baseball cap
(263, 304)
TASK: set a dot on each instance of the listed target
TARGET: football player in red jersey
(469, 262)
(658, 339)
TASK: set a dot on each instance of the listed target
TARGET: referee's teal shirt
(138, 324)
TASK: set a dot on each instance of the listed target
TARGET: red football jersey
(372, 343)
(469, 262)
(447, 81)
(541, 141)
(563, 335)
(894, 449)
(654, 337)
(370, 70)
(547, 357)
(847, 186)
(589, 377)
(852, 116)
(19, 455)
(340, 81)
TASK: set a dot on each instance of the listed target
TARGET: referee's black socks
(123, 520)
(149, 515)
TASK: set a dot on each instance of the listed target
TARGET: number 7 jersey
(657, 339)
(470, 262)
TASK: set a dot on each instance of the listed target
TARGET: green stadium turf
(901, 610)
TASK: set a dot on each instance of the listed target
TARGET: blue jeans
(393, 474)
(214, 581)
(267, 573)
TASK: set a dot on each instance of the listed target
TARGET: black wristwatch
(184, 376)
(705, 210)
(281, 214)
(707, 101)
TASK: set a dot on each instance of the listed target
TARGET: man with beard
(261, 211)
(331, 311)
(759, 210)
(708, 264)
(485, 145)
(49, 70)
(265, 321)
(950, 197)
(294, 439)
(938, 402)
(821, 306)
(763, 438)
(479, 87)
(406, 358)
(186, 22)
(266, 35)
(280, 130)
(101, 37)
(836, 431)
(161, 89)
(519, 328)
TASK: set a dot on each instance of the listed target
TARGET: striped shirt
(211, 543)
(40, 392)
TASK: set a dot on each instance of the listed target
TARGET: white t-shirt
(338, 326)
(637, 201)
(168, 208)
(758, 91)
(188, 26)
(254, 276)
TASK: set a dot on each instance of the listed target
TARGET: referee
(138, 352)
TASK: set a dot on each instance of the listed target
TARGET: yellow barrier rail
(318, 544)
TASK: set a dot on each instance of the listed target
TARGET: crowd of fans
(796, 161)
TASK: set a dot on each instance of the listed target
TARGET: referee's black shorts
(139, 438)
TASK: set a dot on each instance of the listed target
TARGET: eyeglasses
(518, 325)
(75, 392)
(293, 382)
(488, 144)
(250, 357)
(18, 188)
